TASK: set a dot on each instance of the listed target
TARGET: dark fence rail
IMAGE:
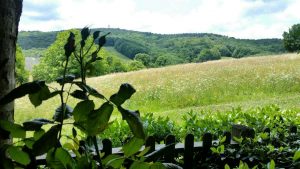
(186, 149)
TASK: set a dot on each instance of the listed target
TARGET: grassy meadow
(211, 86)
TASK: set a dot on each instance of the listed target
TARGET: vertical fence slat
(207, 143)
(207, 140)
(188, 151)
(150, 142)
(228, 137)
(107, 147)
(293, 129)
(169, 156)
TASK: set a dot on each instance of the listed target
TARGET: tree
(50, 66)
(22, 74)
(10, 12)
(135, 65)
(291, 39)
(209, 54)
(143, 58)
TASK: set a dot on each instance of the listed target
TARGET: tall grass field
(211, 86)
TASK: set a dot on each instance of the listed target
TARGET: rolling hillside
(166, 49)
(214, 85)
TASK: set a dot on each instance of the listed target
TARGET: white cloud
(233, 18)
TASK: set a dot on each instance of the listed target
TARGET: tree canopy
(184, 48)
(291, 39)
(50, 66)
(22, 75)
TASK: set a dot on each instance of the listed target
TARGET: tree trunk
(10, 12)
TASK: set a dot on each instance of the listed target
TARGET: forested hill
(165, 49)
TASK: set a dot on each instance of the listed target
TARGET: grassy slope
(215, 85)
(118, 54)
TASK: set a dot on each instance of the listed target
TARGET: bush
(209, 54)
(143, 58)
(135, 65)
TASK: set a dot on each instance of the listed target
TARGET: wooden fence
(187, 149)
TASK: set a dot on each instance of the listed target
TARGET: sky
(251, 19)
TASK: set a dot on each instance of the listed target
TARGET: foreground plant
(86, 117)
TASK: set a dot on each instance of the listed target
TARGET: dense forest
(126, 50)
(165, 49)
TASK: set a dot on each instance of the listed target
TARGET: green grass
(113, 51)
(216, 85)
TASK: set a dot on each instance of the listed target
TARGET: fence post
(293, 129)
(188, 151)
(207, 143)
(169, 156)
(107, 147)
(228, 137)
(150, 142)
(207, 140)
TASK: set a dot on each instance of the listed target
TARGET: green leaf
(226, 166)
(214, 150)
(134, 121)
(59, 112)
(59, 159)
(82, 110)
(89, 89)
(157, 165)
(70, 45)
(84, 162)
(36, 124)
(85, 33)
(68, 79)
(221, 149)
(114, 161)
(79, 94)
(22, 90)
(98, 119)
(96, 34)
(19, 156)
(124, 93)
(223, 139)
(264, 136)
(140, 165)
(16, 130)
(29, 142)
(37, 98)
(133, 146)
(38, 134)
(47, 141)
(145, 151)
(296, 155)
(271, 164)
(102, 40)
(238, 140)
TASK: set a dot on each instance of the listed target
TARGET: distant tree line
(144, 49)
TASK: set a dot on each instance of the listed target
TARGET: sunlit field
(216, 85)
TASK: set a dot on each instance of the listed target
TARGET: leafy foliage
(182, 48)
(209, 54)
(277, 147)
(89, 119)
(291, 39)
(22, 75)
(36, 39)
(53, 59)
